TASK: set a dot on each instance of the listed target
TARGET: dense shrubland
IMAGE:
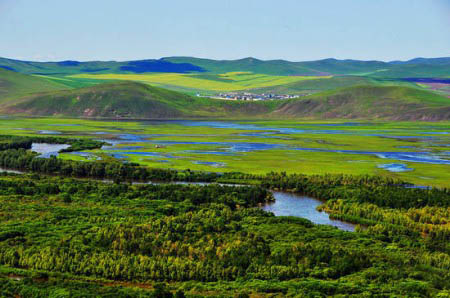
(24, 160)
(179, 233)
(77, 236)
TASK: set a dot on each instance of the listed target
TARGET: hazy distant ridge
(418, 67)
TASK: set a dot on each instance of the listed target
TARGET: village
(253, 97)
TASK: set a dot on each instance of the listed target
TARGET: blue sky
(297, 30)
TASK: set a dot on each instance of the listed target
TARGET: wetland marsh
(415, 152)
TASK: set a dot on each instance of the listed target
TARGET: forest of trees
(60, 235)
(211, 233)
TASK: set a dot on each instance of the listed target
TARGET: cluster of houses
(252, 96)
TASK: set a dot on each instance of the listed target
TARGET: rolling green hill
(414, 71)
(136, 100)
(310, 86)
(370, 102)
(130, 100)
(211, 83)
(14, 85)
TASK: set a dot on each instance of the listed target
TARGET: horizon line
(248, 57)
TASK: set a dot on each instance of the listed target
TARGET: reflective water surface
(288, 204)
(47, 150)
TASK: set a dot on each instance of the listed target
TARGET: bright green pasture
(293, 161)
(178, 156)
(233, 81)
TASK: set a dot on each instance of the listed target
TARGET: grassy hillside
(414, 71)
(212, 84)
(315, 85)
(136, 100)
(14, 85)
(370, 102)
(335, 82)
(233, 81)
(131, 100)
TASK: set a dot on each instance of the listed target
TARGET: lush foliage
(180, 233)
(66, 236)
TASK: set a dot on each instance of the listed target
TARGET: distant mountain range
(414, 68)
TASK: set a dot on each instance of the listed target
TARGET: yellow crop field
(232, 81)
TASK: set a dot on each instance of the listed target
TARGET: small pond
(288, 204)
(46, 150)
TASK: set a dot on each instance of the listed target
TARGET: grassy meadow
(174, 145)
(240, 81)
(232, 81)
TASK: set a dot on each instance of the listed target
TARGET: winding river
(286, 204)
(291, 204)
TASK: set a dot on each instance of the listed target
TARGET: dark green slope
(370, 102)
(76, 67)
(13, 85)
(53, 68)
(106, 100)
(130, 100)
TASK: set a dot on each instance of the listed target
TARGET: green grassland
(14, 85)
(233, 81)
(335, 82)
(132, 96)
(133, 100)
(290, 161)
(211, 84)
(360, 137)
(366, 102)
(72, 83)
